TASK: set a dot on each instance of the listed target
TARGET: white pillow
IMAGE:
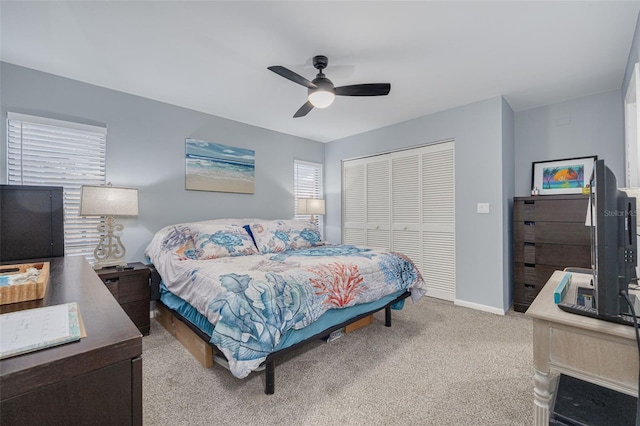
(212, 241)
(279, 235)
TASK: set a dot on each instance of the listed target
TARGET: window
(307, 183)
(47, 152)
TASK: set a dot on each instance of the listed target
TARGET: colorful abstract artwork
(216, 167)
(563, 177)
(566, 176)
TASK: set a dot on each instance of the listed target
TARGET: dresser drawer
(552, 254)
(528, 282)
(525, 293)
(524, 232)
(566, 233)
(537, 275)
(549, 209)
(565, 255)
(565, 211)
(524, 211)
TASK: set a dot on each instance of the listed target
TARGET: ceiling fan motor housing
(320, 62)
(323, 84)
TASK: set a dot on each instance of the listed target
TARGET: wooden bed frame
(197, 342)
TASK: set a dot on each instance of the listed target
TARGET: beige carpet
(439, 364)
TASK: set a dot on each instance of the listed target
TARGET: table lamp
(109, 201)
(310, 206)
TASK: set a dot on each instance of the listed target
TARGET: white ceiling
(213, 56)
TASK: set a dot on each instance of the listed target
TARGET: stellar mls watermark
(620, 213)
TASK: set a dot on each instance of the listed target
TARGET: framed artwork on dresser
(564, 176)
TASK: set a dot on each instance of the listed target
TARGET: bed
(255, 289)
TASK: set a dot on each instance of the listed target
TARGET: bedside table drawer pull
(111, 280)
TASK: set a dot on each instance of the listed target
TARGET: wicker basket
(28, 291)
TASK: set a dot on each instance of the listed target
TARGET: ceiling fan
(322, 92)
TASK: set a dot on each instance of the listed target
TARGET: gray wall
(508, 191)
(478, 130)
(634, 56)
(146, 146)
(592, 125)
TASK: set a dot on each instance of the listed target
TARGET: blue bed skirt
(329, 319)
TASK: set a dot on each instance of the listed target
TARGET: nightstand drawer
(128, 288)
(133, 287)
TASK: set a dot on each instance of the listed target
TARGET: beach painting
(221, 168)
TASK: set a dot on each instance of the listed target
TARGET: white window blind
(308, 184)
(48, 152)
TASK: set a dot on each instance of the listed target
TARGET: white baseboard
(479, 307)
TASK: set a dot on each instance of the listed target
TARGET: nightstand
(130, 287)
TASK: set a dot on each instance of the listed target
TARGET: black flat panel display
(31, 222)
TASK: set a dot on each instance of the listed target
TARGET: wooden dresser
(549, 234)
(97, 380)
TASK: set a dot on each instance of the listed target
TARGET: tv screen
(613, 243)
(31, 222)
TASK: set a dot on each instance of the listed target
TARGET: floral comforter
(252, 301)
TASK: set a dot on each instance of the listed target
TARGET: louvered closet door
(353, 203)
(405, 206)
(378, 204)
(438, 220)
(405, 201)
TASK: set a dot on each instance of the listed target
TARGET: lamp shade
(108, 201)
(632, 192)
(310, 206)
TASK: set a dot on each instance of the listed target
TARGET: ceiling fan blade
(290, 75)
(373, 89)
(304, 110)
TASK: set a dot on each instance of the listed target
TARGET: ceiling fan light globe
(321, 98)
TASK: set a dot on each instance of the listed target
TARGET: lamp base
(110, 250)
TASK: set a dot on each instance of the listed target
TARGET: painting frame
(562, 176)
(215, 167)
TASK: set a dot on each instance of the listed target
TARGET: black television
(31, 222)
(613, 243)
(612, 216)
